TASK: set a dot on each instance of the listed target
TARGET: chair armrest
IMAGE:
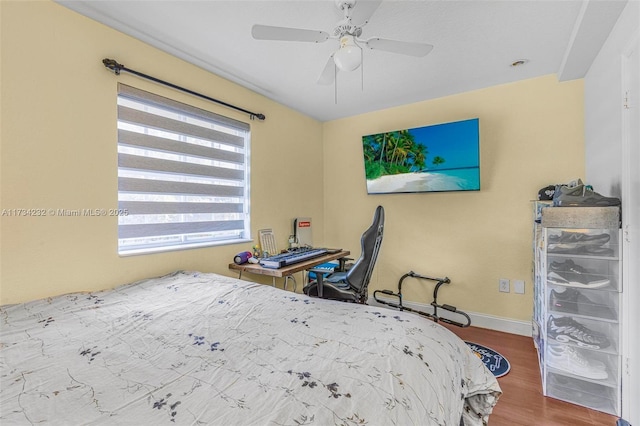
(320, 273)
(342, 264)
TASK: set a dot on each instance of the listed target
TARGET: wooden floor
(522, 402)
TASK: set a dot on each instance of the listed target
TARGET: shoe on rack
(568, 239)
(581, 196)
(566, 329)
(569, 359)
(546, 193)
(561, 350)
(596, 251)
(574, 302)
(571, 274)
(588, 250)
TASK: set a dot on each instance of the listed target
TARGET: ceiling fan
(348, 31)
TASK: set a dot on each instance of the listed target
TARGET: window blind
(183, 175)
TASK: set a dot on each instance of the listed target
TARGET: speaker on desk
(242, 257)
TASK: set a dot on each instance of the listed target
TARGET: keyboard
(290, 258)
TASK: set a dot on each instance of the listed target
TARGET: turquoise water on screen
(467, 179)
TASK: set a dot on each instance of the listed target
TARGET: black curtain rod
(117, 68)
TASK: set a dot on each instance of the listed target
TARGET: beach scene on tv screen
(435, 158)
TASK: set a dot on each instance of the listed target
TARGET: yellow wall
(531, 135)
(58, 140)
(58, 150)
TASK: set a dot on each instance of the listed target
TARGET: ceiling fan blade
(363, 10)
(402, 47)
(266, 32)
(328, 74)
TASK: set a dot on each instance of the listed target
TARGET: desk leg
(273, 281)
(286, 280)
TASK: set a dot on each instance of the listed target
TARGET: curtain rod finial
(113, 65)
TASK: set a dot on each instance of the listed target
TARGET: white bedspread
(195, 348)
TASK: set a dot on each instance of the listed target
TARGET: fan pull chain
(335, 84)
(361, 70)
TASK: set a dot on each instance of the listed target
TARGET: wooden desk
(287, 271)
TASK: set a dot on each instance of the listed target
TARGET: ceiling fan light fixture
(349, 56)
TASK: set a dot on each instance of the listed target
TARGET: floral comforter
(195, 348)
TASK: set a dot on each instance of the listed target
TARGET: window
(183, 175)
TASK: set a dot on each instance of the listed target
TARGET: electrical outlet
(518, 286)
(503, 285)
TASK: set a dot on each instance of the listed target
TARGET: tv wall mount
(434, 316)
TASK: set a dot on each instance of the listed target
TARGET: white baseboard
(507, 325)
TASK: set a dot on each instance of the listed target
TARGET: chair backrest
(360, 273)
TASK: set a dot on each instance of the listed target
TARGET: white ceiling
(474, 43)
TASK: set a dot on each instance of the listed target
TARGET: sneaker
(573, 301)
(581, 196)
(587, 250)
(567, 358)
(596, 251)
(561, 350)
(568, 239)
(568, 273)
(546, 193)
(565, 330)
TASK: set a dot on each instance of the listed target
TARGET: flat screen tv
(435, 158)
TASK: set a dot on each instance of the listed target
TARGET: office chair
(351, 285)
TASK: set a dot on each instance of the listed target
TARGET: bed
(199, 348)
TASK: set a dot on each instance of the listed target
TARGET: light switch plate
(503, 285)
